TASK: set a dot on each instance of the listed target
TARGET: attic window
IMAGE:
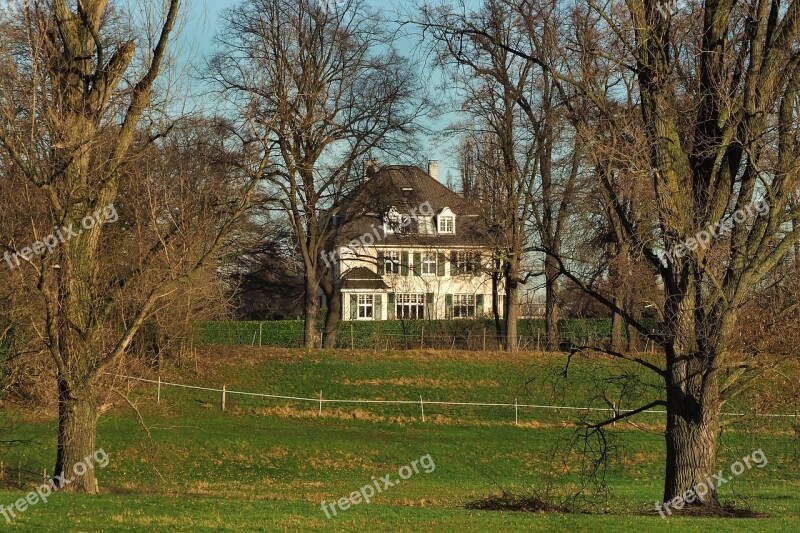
(446, 225)
(446, 221)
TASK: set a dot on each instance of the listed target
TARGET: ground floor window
(463, 305)
(410, 306)
(365, 307)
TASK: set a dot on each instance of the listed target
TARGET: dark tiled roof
(363, 278)
(406, 188)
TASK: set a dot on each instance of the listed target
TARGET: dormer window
(447, 225)
(446, 221)
(424, 225)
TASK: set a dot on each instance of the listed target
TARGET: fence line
(438, 334)
(225, 391)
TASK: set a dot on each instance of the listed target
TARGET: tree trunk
(512, 305)
(692, 429)
(617, 324)
(633, 338)
(498, 325)
(332, 316)
(310, 312)
(77, 423)
(551, 311)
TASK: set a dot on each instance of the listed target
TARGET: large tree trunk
(551, 310)
(332, 316)
(77, 423)
(692, 428)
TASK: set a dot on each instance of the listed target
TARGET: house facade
(411, 249)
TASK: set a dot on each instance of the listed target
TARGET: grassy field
(266, 464)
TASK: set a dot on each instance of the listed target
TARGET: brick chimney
(433, 169)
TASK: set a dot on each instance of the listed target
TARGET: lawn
(267, 464)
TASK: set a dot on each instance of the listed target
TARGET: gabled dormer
(446, 222)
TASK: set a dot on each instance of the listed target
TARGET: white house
(410, 248)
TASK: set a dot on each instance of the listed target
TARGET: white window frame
(366, 307)
(464, 306)
(464, 262)
(428, 264)
(413, 303)
(446, 221)
(391, 262)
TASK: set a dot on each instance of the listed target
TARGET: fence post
(158, 394)
(320, 402)
(260, 326)
(422, 338)
(224, 391)
(422, 408)
(352, 341)
(516, 413)
(537, 341)
(484, 339)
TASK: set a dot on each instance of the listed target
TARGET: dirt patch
(514, 502)
(422, 383)
(713, 511)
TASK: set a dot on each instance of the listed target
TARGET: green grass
(265, 465)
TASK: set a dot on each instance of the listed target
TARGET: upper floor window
(447, 225)
(392, 262)
(429, 263)
(463, 263)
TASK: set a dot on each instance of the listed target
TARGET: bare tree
(78, 86)
(520, 104)
(316, 88)
(717, 91)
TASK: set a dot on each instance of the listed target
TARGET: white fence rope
(422, 402)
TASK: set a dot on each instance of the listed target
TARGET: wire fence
(321, 401)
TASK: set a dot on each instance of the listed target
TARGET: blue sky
(197, 41)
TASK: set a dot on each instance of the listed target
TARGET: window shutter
(479, 311)
(404, 263)
(377, 310)
(440, 265)
(417, 263)
(353, 307)
(448, 304)
(381, 263)
(391, 310)
(476, 265)
(430, 313)
(453, 263)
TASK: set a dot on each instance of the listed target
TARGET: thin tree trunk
(498, 325)
(512, 303)
(551, 310)
(310, 312)
(77, 423)
(332, 316)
